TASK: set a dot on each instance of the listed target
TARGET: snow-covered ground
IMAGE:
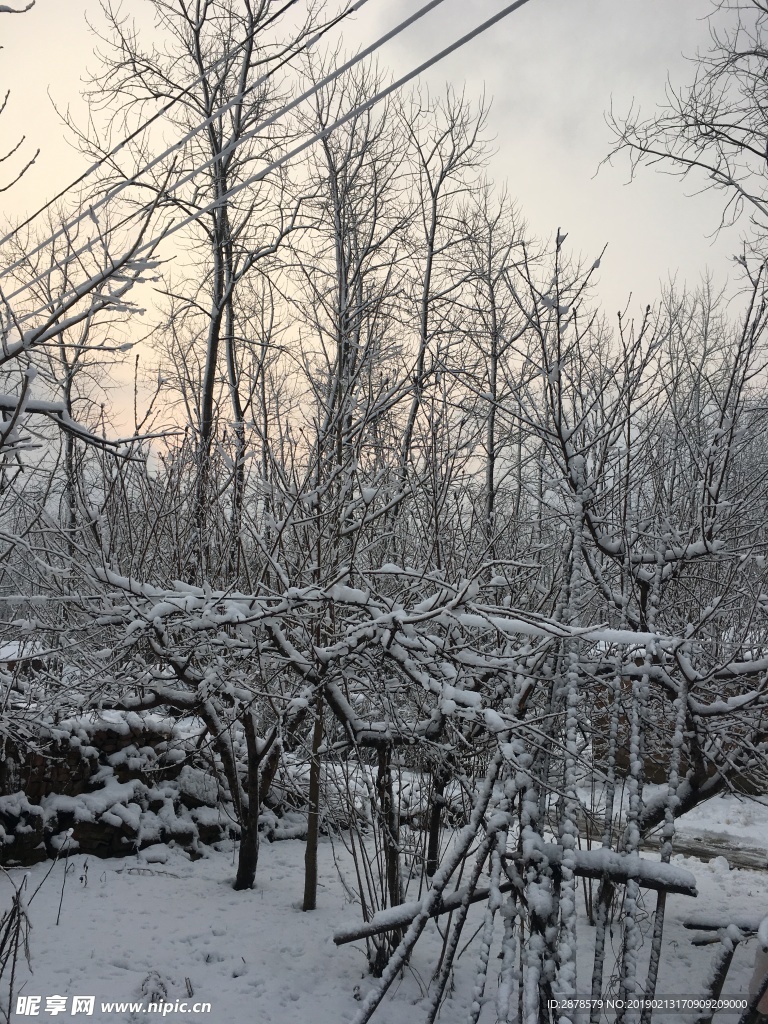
(161, 924)
(745, 820)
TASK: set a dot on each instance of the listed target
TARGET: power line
(229, 55)
(286, 108)
(146, 124)
(361, 108)
(339, 122)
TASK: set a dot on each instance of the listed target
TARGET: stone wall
(108, 785)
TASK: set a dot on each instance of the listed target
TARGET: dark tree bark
(313, 823)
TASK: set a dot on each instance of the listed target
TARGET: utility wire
(339, 122)
(218, 112)
(145, 124)
(286, 108)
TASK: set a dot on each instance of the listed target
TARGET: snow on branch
(595, 863)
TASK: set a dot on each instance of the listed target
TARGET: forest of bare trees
(398, 502)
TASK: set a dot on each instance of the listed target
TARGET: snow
(738, 817)
(255, 955)
(418, 661)
(157, 854)
(11, 650)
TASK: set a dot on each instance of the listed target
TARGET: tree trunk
(313, 822)
(249, 837)
(390, 826)
(435, 816)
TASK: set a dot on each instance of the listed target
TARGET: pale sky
(551, 69)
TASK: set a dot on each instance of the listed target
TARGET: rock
(21, 831)
(197, 788)
(210, 826)
(155, 854)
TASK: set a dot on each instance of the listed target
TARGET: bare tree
(713, 131)
(221, 62)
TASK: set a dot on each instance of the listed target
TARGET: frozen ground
(140, 926)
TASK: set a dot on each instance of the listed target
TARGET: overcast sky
(552, 69)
